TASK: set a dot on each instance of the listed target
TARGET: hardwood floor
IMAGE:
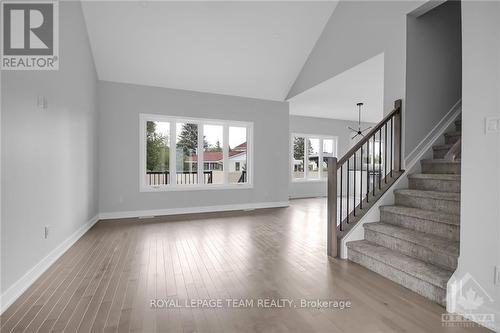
(106, 281)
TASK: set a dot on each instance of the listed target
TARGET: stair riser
(434, 185)
(421, 287)
(441, 168)
(437, 258)
(439, 153)
(445, 230)
(451, 139)
(436, 205)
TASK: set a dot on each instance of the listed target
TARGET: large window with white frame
(309, 155)
(192, 153)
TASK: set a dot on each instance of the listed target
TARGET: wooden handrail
(373, 176)
(397, 110)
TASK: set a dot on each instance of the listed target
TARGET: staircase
(416, 242)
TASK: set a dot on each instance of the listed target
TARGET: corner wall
(120, 105)
(433, 70)
(480, 196)
(49, 157)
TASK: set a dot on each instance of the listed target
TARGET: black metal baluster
(347, 201)
(385, 153)
(341, 198)
(391, 147)
(373, 164)
(367, 170)
(354, 181)
(380, 159)
(361, 179)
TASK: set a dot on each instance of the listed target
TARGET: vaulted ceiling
(337, 97)
(251, 49)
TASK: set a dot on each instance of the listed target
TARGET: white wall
(480, 212)
(49, 157)
(320, 126)
(120, 106)
(356, 32)
(433, 70)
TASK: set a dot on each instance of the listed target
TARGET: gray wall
(480, 198)
(49, 157)
(321, 126)
(120, 106)
(356, 32)
(433, 70)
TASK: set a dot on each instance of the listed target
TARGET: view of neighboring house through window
(207, 153)
(238, 155)
(213, 155)
(309, 154)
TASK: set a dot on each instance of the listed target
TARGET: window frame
(173, 186)
(306, 137)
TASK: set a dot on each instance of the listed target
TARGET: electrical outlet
(46, 232)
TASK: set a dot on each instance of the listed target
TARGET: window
(180, 153)
(328, 151)
(237, 155)
(313, 158)
(309, 155)
(213, 154)
(298, 157)
(158, 153)
(186, 150)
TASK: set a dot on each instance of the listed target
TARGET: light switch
(41, 102)
(492, 125)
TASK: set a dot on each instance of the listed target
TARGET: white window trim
(306, 137)
(143, 118)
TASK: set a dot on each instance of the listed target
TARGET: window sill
(312, 180)
(176, 188)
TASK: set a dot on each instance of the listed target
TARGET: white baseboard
(416, 154)
(14, 291)
(308, 196)
(191, 210)
(20, 286)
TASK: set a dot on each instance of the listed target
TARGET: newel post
(332, 247)
(397, 134)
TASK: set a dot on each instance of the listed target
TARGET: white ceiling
(251, 49)
(337, 97)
